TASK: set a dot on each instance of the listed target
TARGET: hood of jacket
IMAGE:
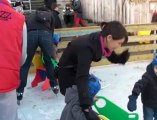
(150, 71)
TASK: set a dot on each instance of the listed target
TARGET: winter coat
(72, 110)
(80, 53)
(57, 20)
(147, 86)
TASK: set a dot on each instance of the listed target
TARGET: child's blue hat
(154, 61)
(93, 85)
(56, 39)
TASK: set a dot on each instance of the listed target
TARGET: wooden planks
(140, 27)
(70, 32)
(138, 48)
(142, 38)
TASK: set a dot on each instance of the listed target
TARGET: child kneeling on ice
(147, 86)
(72, 110)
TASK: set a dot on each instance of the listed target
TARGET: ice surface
(117, 83)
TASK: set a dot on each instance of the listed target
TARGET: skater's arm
(24, 44)
(121, 58)
(83, 67)
(140, 85)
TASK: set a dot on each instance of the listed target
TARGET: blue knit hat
(56, 39)
(154, 61)
(93, 85)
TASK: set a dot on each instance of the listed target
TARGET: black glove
(119, 58)
(132, 103)
(90, 114)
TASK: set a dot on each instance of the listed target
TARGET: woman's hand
(90, 114)
(121, 58)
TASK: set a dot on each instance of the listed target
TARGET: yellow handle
(103, 117)
(37, 61)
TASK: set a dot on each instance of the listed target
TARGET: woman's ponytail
(103, 24)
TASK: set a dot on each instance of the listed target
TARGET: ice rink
(117, 83)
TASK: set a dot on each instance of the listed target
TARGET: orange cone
(46, 85)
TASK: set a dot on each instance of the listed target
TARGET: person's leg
(68, 21)
(82, 22)
(65, 20)
(46, 44)
(32, 44)
(77, 20)
(8, 106)
(55, 52)
(148, 113)
(155, 113)
(71, 20)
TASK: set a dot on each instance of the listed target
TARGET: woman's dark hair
(114, 28)
(50, 4)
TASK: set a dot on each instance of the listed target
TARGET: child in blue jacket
(147, 86)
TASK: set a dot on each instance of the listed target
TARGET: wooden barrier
(138, 51)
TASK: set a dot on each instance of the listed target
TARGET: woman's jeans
(149, 113)
(43, 39)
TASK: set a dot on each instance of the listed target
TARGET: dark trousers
(43, 39)
(149, 113)
(79, 21)
(69, 20)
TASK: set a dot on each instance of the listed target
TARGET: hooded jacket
(147, 86)
(72, 110)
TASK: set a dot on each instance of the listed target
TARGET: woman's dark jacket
(79, 53)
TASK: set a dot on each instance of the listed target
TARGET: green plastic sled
(54, 62)
(114, 112)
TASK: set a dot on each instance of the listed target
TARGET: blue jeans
(43, 39)
(149, 113)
